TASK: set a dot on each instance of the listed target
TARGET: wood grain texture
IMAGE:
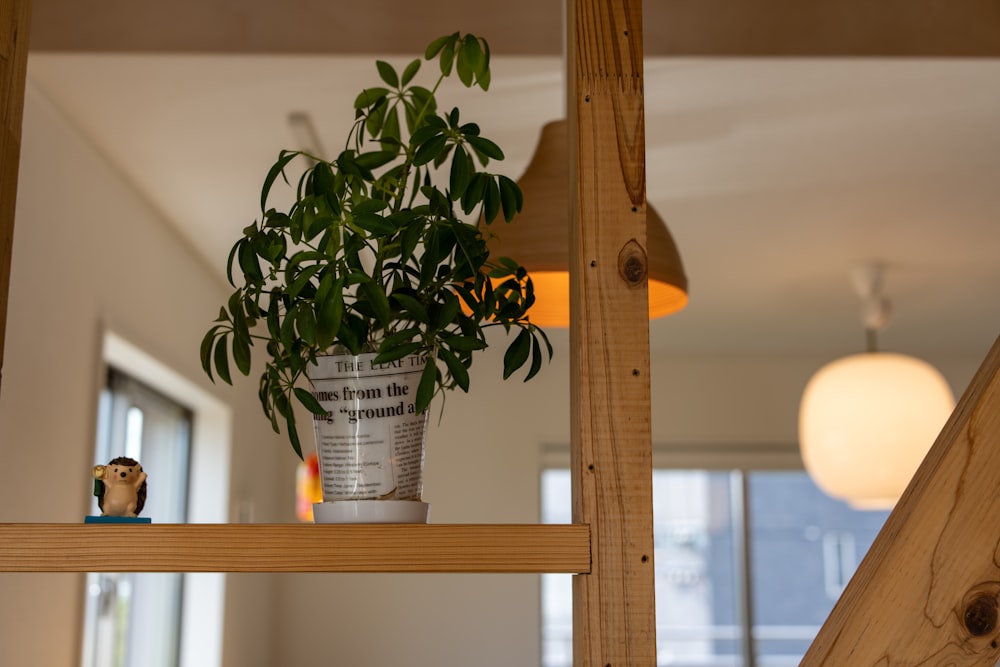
(15, 20)
(294, 548)
(927, 593)
(614, 610)
(520, 27)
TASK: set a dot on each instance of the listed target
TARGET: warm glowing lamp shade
(866, 422)
(538, 238)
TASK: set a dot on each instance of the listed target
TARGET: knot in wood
(981, 615)
(632, 264)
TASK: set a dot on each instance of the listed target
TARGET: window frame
(735, 458)
(203, 604)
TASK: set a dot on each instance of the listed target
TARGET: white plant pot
(370, 444)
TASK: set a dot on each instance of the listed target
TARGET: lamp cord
(871, 339)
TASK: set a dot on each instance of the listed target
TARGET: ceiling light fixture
(867, 420)
(539, 238)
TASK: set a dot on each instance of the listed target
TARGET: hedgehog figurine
(120, 487)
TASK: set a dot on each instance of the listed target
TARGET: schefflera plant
(373, 255)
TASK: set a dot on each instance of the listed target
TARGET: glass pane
(697, 610)
(557, 589)
(805, 546)
(133, 619)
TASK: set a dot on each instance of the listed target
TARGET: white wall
(89, 253)
(483, 464)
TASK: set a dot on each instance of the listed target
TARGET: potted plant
(372, 268)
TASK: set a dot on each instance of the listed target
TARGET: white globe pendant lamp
(867, 420)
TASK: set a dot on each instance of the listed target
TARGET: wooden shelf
(294, 548)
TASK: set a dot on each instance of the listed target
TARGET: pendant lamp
(866, 421)
(538, 238)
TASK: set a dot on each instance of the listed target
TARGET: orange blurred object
(308, 489)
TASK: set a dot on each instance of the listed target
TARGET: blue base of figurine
(117, 519)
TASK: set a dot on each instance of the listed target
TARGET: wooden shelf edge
(483, 548)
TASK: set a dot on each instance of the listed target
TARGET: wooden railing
(927, 592)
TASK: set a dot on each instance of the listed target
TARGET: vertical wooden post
(15, 21)
(614, 623)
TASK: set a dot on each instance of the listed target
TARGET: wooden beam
(928, 592)
(611, 454)
(294, 548)
(673, 27)
(15, 20)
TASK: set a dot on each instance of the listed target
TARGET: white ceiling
(775, 176)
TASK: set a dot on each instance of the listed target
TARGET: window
(134, 619)
(734, 549)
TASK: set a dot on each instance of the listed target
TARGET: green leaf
(322, 179)
(410, 71)
(248, 262)
(222, 359)
(412, 306)
(318, 224)
(374, 223)
(388, 74)
(293, 433)
(302, 278)
(435, 47)
(463, 65)
(330, 310)
(399, 337)
(447, 58)
(466, 343)
(394, 352)
(511, 197)
(536, 359)
(379, 302)
(278, 167)
(423, 100)
(391, 136)
(460, 173)
(459, 373)
(277, 219)
(369, 96)
(429, 150)
(427, 385)
(287, 333)
(485, 147)
(376, 117)
(241, 353)
(446, 314)
(433, 125)
(483, 78)
(305, 323)
(491, 201)
(352, 333)
(309, 401)
(517, 353)
(472, 53)
(370, 206)
(205, 351)
(409, 240)
(475, 192)
(375, 159)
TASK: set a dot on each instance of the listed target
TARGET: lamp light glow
(866, 422)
